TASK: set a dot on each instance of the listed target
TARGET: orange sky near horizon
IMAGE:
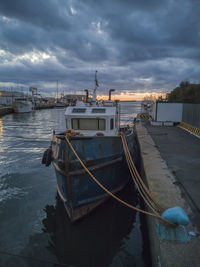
(133, 96)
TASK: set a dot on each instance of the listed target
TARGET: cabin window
(75, 124)
(78, 110)
(101, 124)
(98, 110)
(111, 124)
(88, 124)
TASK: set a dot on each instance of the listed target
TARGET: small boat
(146, 106)
(22, 105)
(93, 129)
(60, 105)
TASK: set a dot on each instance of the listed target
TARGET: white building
(167, 112)
(7, 97)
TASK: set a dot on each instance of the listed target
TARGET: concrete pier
(44, 106)
(171, 167)
(5, 110)
(8, 110)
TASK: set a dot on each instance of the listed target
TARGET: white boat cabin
(90, 119)
(22, 105)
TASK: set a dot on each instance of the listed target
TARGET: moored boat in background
(60, 105)
(146, 106)
(22, 105)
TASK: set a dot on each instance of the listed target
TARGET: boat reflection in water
(99, 239)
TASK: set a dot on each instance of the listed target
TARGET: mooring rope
(154, 214)
(142, 188)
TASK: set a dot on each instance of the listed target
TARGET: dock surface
(181, 151)
(170, 165)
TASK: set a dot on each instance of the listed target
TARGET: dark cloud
(49, 14)
(136, 45)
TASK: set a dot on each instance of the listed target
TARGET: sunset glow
(67, 41)
(134, 96)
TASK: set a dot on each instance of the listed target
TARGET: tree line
(186, 92)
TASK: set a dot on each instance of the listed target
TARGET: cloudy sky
(137, 46)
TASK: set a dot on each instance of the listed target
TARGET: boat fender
(44, 157)
(176, 215)
(47, 157)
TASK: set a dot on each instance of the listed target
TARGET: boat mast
(95, 89)
(57, 92)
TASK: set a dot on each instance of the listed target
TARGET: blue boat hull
(103, 156)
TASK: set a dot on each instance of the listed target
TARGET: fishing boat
(93, 129)
(22, 105)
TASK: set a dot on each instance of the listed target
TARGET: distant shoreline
(129, 100)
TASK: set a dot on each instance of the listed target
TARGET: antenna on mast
(96, 85)
(57, 90)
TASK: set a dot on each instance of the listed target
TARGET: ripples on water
(33, 222)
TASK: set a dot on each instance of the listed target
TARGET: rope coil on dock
(146, 194)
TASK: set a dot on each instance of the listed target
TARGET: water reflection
(128, 111)
(103, 238)
(94, 240)
(1, 127)
(109, 236)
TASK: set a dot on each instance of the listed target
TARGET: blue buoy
(176, 215)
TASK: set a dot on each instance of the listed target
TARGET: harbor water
(34, 227)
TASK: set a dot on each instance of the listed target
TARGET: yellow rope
(146, 195)
(112, 195)
(140, 189)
